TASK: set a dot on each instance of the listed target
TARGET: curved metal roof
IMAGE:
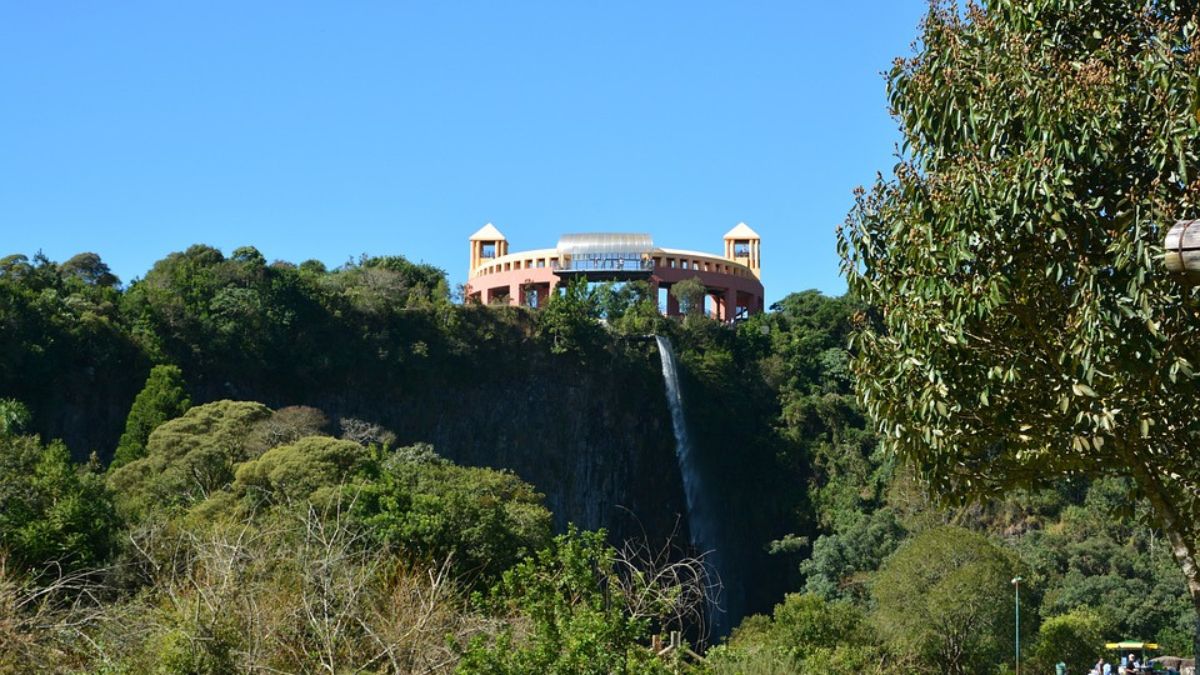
(605, 242)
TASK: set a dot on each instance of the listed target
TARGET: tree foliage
(90, 269)
(66, 351)
(689, 293)
(297, 472)
(1098, 555)
(14, 417)
(576, 623)
(163, 398)
(805, 633)
(1021, 327)
(482, 520)
(569, 319)
(944, 600)
(52, 512)
(1076, 638)
(187, 458)
(286, 425)
(842, 560)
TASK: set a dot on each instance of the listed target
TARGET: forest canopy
(212, 539)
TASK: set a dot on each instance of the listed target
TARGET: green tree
(484, 521)
(65, 350)
(1076, 638)
(1100, 555)
(944, 599)
(14, 417)
(52, 511)
(842, 561)
(803, 632)
(90, 269)
(294, 472)
(187, 458)
(576, 623)
(570, 318)
(689, 293)
(1021, 329)
(164, 397)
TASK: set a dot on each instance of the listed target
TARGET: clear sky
(326, 130)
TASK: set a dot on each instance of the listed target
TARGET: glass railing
(606, 264)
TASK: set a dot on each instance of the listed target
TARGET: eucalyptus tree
(1022, 328)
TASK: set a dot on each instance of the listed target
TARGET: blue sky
(325, 130)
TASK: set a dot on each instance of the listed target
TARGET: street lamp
(1016, 582)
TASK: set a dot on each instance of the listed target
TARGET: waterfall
(701, 524)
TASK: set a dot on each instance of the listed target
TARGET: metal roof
(604, 242)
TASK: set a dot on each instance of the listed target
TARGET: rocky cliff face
(594, 435)
(591, 430)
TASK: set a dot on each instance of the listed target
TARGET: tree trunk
(1183, 546)
(1187, 560)
(1196, 629)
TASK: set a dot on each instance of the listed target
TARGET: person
(1107, 667)
(1060, 668)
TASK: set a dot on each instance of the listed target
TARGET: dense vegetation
(234, 535)
(897, 579)
(1023, 330)
(182, 494)
(233, 465)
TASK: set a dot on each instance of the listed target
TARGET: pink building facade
(732, 281)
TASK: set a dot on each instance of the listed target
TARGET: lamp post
(1016, 582)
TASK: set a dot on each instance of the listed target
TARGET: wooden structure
(1182, 247)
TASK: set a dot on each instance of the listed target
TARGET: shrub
(1076, 638)
(188, 458)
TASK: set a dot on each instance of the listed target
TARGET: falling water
(700, 521)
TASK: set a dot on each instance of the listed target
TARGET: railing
(606, 264)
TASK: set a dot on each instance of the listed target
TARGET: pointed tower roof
(742, 231)
(488, 233)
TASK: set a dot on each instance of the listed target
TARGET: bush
(297, 471)
(572, 624)
(52, 511)
(286, 425)
(1076, 639)
(804, 629)
(188, 458)
(482, 520)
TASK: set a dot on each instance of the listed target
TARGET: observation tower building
(732, 281)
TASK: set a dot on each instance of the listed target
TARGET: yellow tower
(743, 245)
(486, 244)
